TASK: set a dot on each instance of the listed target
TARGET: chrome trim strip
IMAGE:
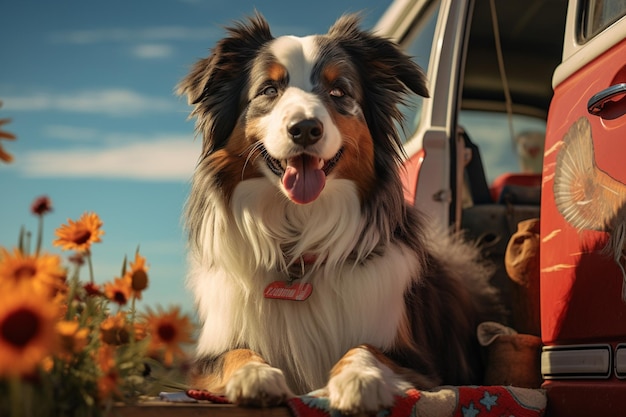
(576, 362)
(620, 361)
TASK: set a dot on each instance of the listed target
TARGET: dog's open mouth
(303, 176)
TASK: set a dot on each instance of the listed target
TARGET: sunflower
(79, 235)
(138, 275)
(60, 299)
(105, 358)
(167, 330)
(72, 338)
(4, 156)
(108, 385)
(109, 378)
(119, 290)
(43, 273)
(140, 330)
(27, 333)
(113, 330)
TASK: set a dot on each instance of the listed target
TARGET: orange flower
(72, 338)
(43, 273)
(105, 358)
(109, 379)
(47, 364)
(60, 299)
(5, 157)
(79, 235)
(113, 330)
(138, 275)
(119, 290)
(167, 330)
(108, 385)
(26, 330)
(140, 331)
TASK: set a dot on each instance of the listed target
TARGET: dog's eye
(270, 91)
(337, 92)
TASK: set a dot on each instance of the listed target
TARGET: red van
(527, 120)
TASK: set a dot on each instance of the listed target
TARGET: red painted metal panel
(585, 398)
(410, 174)
(581, 287)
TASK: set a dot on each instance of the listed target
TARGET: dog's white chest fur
(348, 296)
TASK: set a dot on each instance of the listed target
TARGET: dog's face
(300, 111)
(303, 110)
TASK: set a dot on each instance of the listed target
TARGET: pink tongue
(303, 180)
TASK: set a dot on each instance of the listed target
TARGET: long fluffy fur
(386, 280)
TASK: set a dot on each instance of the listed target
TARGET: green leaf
(124, 266)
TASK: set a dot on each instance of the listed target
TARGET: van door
(583, 217)
(433, 32)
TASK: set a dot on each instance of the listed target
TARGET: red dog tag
(288, 291)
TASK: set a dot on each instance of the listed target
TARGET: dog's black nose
(306, 132)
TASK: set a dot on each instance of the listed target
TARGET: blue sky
(89, 86)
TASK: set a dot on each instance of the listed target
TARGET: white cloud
(113, 102)
(164, 158)
(150, 34)
(152, 50)
(72, 133)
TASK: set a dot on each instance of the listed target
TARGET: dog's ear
(215, 85)
(385, 61)
(387, 73)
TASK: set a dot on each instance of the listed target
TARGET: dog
(309, 269)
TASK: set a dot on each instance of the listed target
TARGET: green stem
(27, 237)
(15, 393)
(21, 244)
(88, 255)
(72, 293)
(39, 235)
(132, 320)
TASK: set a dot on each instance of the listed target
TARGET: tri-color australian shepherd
(308, 268)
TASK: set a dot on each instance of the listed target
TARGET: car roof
(531, 34)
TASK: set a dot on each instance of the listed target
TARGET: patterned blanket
(446, 401)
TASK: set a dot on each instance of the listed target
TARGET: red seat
(513, 180)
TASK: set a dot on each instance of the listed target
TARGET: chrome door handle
(596, 103)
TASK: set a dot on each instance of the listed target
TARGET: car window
(499, 152)
(598, 14)
(419, 47)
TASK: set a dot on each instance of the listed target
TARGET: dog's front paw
(258, 385)
(355, 391)
(361, 384)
